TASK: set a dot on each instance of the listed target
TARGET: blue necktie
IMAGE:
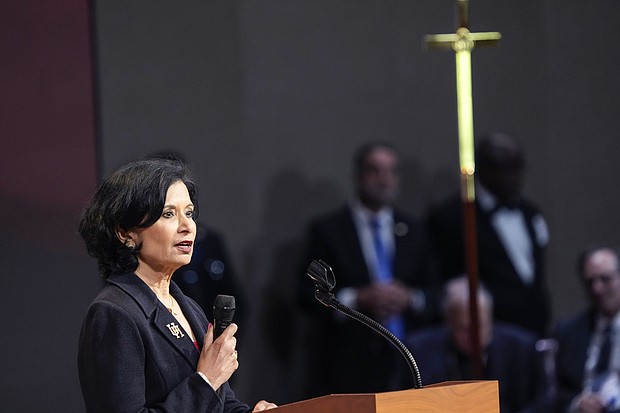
(395, 324)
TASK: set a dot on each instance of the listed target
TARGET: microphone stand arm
(327, 298)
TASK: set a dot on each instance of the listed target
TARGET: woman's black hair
(131, 197)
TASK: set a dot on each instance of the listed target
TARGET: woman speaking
(145, 346)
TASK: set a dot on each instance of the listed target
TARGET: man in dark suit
(512, 236)
(509, 352)
(588, 357)
(379, 259)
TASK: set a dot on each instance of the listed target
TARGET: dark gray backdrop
(268, 100)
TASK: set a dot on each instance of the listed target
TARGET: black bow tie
(510, 206)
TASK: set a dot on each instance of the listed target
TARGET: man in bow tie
(511, 231)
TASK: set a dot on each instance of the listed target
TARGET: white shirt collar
(363, 215)
(602, 322)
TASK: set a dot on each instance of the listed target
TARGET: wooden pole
(462, 43)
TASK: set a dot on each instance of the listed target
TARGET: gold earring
(130, 245)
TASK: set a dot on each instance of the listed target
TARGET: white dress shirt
(512, 230)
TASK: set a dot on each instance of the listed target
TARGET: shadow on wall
(272, 267)
(421, 189)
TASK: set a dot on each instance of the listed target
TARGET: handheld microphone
(223, 312)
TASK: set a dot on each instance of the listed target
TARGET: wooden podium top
(449, 397)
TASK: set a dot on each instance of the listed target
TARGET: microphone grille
(224, 301)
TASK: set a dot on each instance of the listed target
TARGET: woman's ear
(125, 237)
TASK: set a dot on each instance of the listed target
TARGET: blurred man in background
(379, 257)
(511, 231)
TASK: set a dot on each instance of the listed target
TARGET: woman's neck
(158, 282)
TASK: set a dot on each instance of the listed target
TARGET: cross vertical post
(462, 43)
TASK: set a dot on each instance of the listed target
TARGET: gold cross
(462, 43)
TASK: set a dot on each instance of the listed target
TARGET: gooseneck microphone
(223, 312)
(324, 281)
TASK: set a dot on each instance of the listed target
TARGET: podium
(446, 397)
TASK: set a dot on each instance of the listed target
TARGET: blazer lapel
(162, 321)
(171, 330)
(349, 237)
(197, 323)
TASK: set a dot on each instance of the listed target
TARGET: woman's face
(168, 243)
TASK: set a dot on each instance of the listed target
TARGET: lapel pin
(175, 330)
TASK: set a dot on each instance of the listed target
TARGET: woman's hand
(218, 359)
(263, 405)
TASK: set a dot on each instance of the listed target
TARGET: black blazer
(348, 356)
(573, 336)
(511, 358)
(514, 301)
(131, 357)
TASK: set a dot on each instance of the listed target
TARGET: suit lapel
(494, 244)
(196, 322)
(531, 231)
(350, 237)
(172, 331)
(159, 317)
